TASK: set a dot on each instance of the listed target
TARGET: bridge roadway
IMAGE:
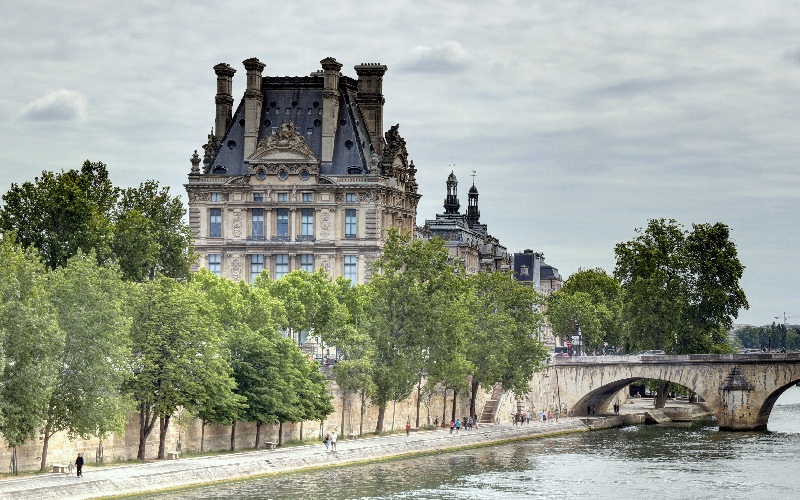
(740, 389)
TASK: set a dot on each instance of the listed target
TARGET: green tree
(681, 289)
(176, 351)
(87, 397)
(31, 344)
(151, 235)
(503, 344)
(407, 311)
(589, 300)
(58, 214)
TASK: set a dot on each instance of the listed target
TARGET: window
(308, 197)
(282, 228)
(283, 196)
(350, 197)
(258, 196)
(215, 263)
(256, 266)
(307, 263)
(307, 222)
(258, 222)
(281, 266)
(216, 197)
(351, 268)
(215, 223)
(350, 223)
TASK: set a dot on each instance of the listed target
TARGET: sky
(581, 120)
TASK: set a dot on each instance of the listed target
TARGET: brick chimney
(223, 99)
(252, 104)
(370, 101)
(330, 105)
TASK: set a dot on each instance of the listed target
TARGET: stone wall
(122, 447)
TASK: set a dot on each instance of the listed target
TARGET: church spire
(451, 204)
(473, 214)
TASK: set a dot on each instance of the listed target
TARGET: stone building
(465, 237)
(300, 175)
(531, 270)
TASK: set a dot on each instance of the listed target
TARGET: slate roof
(299, 100)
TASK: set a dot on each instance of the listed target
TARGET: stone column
(330, 105)
(223, 99)
(252, 104)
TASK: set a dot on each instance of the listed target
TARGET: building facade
(531, 270)
(301, 175)
(465, 238)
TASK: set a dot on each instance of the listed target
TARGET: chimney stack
(223, 99)
(330, 105)
(252, 104)
(370, 101)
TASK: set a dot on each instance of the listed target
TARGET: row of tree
(83, 348)
(769, 337)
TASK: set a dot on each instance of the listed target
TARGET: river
(662, 462)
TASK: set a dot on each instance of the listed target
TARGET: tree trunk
(381, 417)
(45, 445)
(301, 430)
(363, 412)
(344, 406)
(146, 423)
(475, 385)
(280, 433)
(162, 438)
(455, 393)
(661, 395)
(258, 434)
(202, 435)
(14, 461)
(444, 407)
(233, 436)
(419, 393)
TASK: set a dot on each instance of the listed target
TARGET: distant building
(300, 175)
(465, 238)
(531, 270)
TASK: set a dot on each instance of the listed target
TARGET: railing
(304, 237)
(257, 237)
(678, 358)
(280, 237)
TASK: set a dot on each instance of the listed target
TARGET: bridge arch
(740, 389)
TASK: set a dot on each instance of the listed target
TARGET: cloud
(61, 105)
(792, 55)
(446, 57)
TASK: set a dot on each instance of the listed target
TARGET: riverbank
(164, 475)
(151, 477)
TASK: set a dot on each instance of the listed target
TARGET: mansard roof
(299, 100)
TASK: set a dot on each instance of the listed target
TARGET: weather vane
(473, 177)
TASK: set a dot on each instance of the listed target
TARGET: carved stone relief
(236, 270)
(325, 226)
(237, 224)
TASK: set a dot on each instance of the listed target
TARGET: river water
(691, 461)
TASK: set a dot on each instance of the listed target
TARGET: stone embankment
(121, 480)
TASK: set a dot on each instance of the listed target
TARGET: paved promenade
(99, 482)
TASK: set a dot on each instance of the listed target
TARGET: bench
(173, 455)
(60, 468)
(269, 445)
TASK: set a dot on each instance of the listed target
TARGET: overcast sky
(582, 119)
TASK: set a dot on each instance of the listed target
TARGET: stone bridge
(741, 389)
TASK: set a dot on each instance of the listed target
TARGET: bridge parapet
(681, 358)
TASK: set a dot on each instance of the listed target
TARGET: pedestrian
(616, 409)
(70, 466)
(436, 422)
(408, 429)
(458, 425)
(572, 413)
(549, 415)
(333, 440)
(79, 465)
(452, 426)
(589, 410)
(327, 441)
(558, 414)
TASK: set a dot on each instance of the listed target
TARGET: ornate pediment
(395, 155)
(284, 145)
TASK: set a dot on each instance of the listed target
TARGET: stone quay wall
(345, 420)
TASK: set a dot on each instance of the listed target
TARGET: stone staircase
(487, 415)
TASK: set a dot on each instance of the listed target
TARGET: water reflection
(674, 462)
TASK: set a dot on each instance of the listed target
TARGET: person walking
(452, 426)
(71, 467)
(79, 465)
(408, 429)
(458, 425)
(327, 441)
(333, 440)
